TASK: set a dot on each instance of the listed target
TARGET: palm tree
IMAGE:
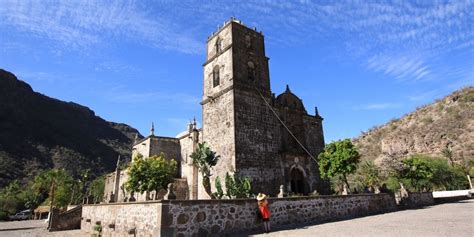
(448, 154)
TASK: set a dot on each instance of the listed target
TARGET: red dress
(265, 212)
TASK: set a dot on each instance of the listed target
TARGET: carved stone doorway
(297, 181)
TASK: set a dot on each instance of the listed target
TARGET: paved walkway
(450, 219)
(32, 228)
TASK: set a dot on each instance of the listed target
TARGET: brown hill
(446, 123)
(38, 132)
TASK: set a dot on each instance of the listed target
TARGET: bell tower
(235, 58)
(238, 123)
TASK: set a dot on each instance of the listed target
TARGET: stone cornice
(217, 95)
(217, 54)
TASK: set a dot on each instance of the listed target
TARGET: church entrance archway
(297, 181)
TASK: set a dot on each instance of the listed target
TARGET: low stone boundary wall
(214, 217)
(418, 200)
(69, 220)
(120, 219)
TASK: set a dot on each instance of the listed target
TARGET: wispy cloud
(126, 96)
(378, 106)
(80, 24)
(115, 66)
(42, 77)
(402, 39)
(400, 67)
(424, 96)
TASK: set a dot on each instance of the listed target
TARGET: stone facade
(270, 139)
(248, 126)
(178, 149)
(215, 217)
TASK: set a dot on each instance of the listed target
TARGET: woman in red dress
(264, 211)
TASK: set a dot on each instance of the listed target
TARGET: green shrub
(393, 184)
(219, 193)
(3, 215)
(237, 187)
(469, 97)
(422, 173)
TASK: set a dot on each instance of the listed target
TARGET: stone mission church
(258, 135)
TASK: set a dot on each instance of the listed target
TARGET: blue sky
(362, 63)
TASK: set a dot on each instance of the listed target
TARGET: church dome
(289, 100)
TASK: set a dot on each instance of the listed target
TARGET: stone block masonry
(215, 217)
(419, 200)
(68, 220)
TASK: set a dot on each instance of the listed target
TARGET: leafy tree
(369, 173)
(339, 158)
(16, 197)
(63, 186)
(418, 172)
(161, 172)
(137, 172)
(10, 200)
(446, 177)
(151, 174)
(96, 188)
(204, 159)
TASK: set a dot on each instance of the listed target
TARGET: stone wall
(188, 141)
(218, 123)
(257, 143)
(214, 217)
(418, 200)
(68, 220)
(142, 147)
(118, 219)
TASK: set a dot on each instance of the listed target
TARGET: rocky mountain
(446, 123)
(38, 132)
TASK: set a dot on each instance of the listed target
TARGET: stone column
(117, 181)
(195, 172)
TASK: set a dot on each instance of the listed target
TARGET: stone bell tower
(238, 122)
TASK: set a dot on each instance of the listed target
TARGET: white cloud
(378, 106)
(123, 95)
(382, 36)
(80, 24)
(424, 96)
(402, 67)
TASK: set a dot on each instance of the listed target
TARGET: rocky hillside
(446, 123)
(38, 132)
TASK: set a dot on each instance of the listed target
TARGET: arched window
(251, 70)
(218, 45)
(215, 76)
